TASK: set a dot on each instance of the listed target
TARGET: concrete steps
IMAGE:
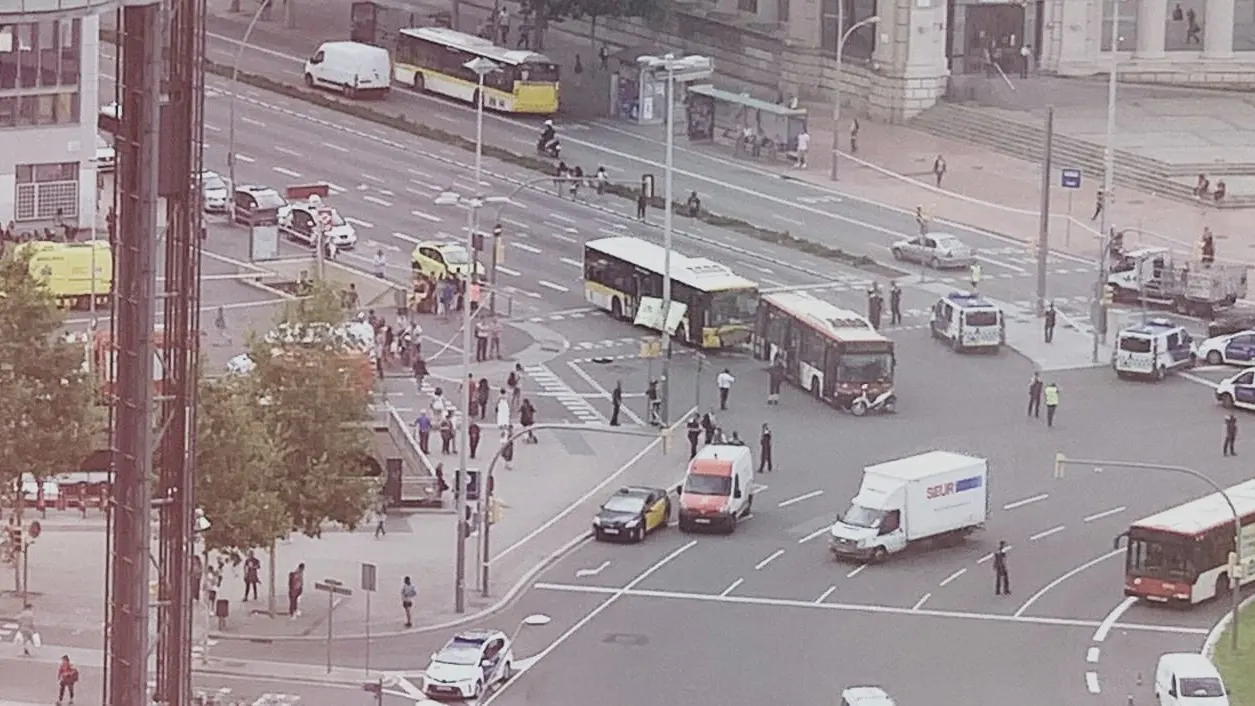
(1006, 131)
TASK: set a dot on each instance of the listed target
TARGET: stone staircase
(1008, 132)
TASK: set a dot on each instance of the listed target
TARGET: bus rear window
(538, 73)
(1135, 345)
(981, 318)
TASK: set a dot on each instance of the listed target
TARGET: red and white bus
(1182, 555)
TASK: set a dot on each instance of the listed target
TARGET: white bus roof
(696, 272)
(832, 320)
(1204, 513)
(476, 45)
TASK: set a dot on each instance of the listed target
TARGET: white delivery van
(934, 495)
(356, 69)
(718, 488)
(1188, 679)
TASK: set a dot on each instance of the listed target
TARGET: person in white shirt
(724, 381)
(803, 146)
(380, 266)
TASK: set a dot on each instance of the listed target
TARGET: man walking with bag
(26, 635)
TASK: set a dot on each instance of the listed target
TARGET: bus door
(792, 342)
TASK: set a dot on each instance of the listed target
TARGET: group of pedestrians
(1039, 391)
(876, 304)
(28, 639)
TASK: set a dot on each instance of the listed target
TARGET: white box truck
(937, 495)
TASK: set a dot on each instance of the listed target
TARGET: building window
(747, 6)
(29, 109)
(47, 191)
(1127, 32)
(782, 10)
(41, 54)
(862, 42)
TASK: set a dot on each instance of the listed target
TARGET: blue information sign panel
(1070, 178)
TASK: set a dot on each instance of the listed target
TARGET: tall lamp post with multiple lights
(836, 98)
(676, 70)
(1108, 179)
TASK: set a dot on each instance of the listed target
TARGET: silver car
(937, 250)
(214, 192)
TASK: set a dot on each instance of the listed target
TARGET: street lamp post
(836, 100)
(1100, 309)
(1235, 582)
(684, 70)
(235, 77)
(482, 67)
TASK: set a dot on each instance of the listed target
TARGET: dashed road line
(286, 172)
(951, 578)
(814, 535)
(800, 498)
(824, 596)
(244, 158)
(526, 248)
(1025, 501)
(1105, 513)
(763, 564)
(377, 201)
(1046, 533)
(858, 570)
(550, 285)
(335, 147)
(427, 216)
(359, 222)
(571, 262)
(507, 271)
(251, 121)
(517, 224)
(731, 587)
(922, 600)
(372, 177)
(289, 152)
(560, 217)
(1091, 683)
(1091, 655)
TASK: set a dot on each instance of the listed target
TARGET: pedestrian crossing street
(550, 383)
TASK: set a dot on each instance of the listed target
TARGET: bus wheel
(419, 84)
(616, 308)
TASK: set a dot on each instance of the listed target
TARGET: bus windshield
(1166, 559)
(733, 307)
(865, 367)
(537, 72)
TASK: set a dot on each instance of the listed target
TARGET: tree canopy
(49, 421)
(559, 10)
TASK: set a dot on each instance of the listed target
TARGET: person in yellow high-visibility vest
(974, 274)
(1051, 393)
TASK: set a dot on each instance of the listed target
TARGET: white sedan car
(469, 664)
(214, 192)
(299, 221)
(937, 250)
(1229, 349)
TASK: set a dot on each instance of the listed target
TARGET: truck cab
(1155, 276)
(968, 321)
(1151, 350)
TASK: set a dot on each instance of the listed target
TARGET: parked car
(937, 250)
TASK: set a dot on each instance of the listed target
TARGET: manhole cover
(628, 639)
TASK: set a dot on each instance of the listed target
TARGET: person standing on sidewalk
(381, 521)
(939, 169)
(1051, 393)
(296, 586)
(724, 382)
(1048, 322)
(473, 434)
(408, 593)
(481, 398)
(803, 146)
(1034, 396)
(67, 677)
(481, 341)
(252, 576)
(423, 424)
(764, 450)
(1230, 435)
(1002, 580)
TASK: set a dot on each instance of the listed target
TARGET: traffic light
(1108, 294)
(477, 241)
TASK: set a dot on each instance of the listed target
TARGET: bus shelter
(754, 127)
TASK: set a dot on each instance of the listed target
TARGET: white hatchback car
(469, 664)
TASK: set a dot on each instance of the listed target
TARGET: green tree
(320, 301)
(49, 421)
(549, 11)
(236, 462)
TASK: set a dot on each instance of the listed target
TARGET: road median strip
(404, 124)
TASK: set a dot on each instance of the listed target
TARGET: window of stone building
(1128, 23)
(747, 6)
(1186, 33)
(862, 41)
(782, 10)
(37, 60)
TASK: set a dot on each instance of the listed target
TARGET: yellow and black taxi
(631, 513)
(435, 259)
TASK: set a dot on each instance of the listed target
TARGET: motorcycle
(886, 402)
(549, 148)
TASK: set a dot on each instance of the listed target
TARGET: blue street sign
(1071, 178)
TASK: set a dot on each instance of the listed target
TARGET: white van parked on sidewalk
(355, 69)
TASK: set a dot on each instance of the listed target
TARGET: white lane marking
(560, 217)
(786, 219)
(1104, 628)
(753, 266)
(564, 238)
(212, 128)
(527, 248)
(419, 173)
(517, 224)
(358, 222)
(1046, 533)
(922, 600)
(866, 608)
(372, 177)
(856, 571)
(507, 271)
(335, 188)
(731, 587)
(251, 121)
(1188, 376)
(952, 577)
(763, 564)
(814, 535)
(824, 596)
(1091, 683)
(1026, 501)
(377, 201)
(427, 216)
(524, 292)
(592, 615)
(609, 232)
(583, 573)
(990, 555)
(569, 261)
(1019, 612)
(408, 238)
(291, 153)
(1106, 513)
(286, 172)
(337, 148)
(800, 498)
(1000, 263)
(1091, 655)
(550, 285)
(244, 158)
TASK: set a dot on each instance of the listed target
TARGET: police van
(1152, 350)
(1237, 390)
(967, 321)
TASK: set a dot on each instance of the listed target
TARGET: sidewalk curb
(504, 602)
(1217, 630)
